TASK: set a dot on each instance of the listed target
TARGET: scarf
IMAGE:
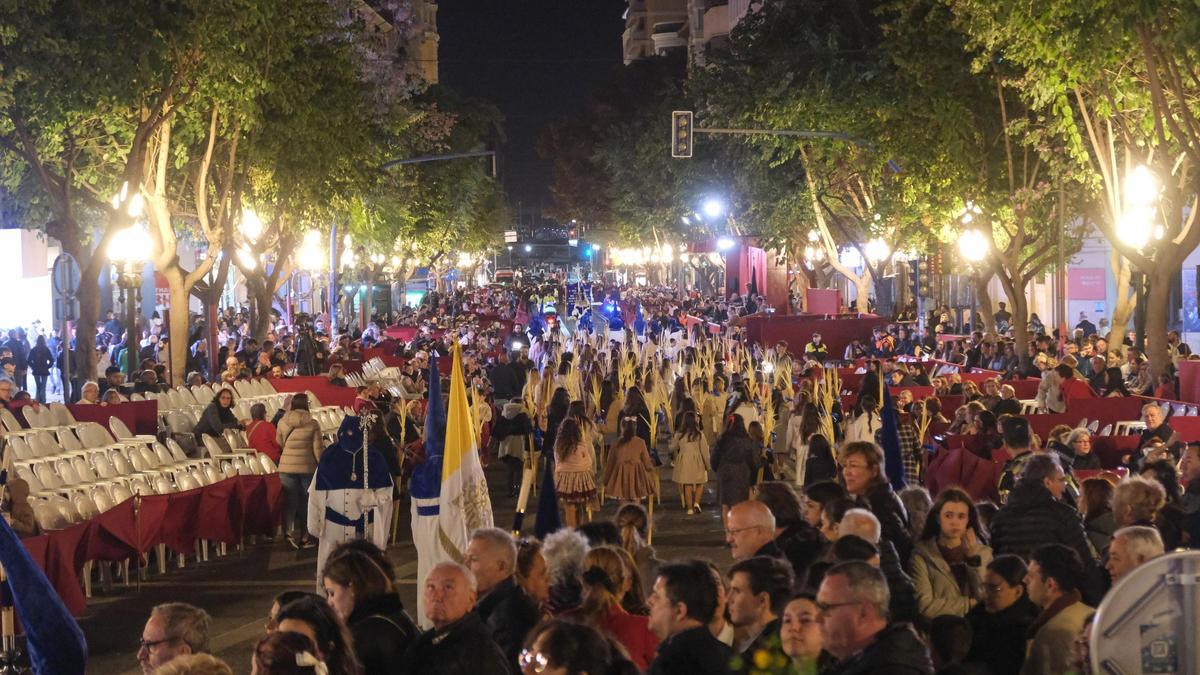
(956, 558)
(1064, 601)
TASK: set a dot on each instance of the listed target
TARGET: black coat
(465, 647)
(999, 639)
(215, 420)
(802, 545)
(382, 631)
(40, 360)
(1033, 518)
(510, 614)
(692, 652)
(882, 501)
(505, 382)
(902, 604)
(896, 651)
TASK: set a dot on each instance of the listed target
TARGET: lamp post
(1136, 229)
(129, 250)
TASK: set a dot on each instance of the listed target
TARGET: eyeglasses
(149, 645)
(535, 660)
(734, 532)
(824, 608)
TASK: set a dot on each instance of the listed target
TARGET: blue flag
(427, 476)
(56, 644)
(548, 520)
(893, 456)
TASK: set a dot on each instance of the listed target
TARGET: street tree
(1120, 84)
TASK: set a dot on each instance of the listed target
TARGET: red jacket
(261, 436)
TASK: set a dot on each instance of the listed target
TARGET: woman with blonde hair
(634, 525)
(605, 580)
(691, 461)
(1137, 501)
(574, 472)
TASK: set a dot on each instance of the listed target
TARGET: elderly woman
(89, 394)
(1008, 403)
(1156, 427)
(1079, 444)
(1137, 501)
(862, 474)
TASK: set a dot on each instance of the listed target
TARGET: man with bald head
(460, 642)
(750, 531)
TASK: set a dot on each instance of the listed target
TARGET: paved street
(238, 588)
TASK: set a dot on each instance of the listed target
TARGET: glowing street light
(129, 249)
(876, 250)
(713, 208)
(972, 245)
(725, 243)
(1134, 226)
(528, 248)
(251, 225)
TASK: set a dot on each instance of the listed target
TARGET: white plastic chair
(104, 467)
(48, 517)
(9, 420)
(163, 486)
(120, 493)
(1094, 426)
(186, 482)
(123, 433)
(140, 486)
(267, 465)
(211, 474)
(20, 448)
(85, 506)
(1107, 430)
(62, 415)
(65, 508)
(48, 478)
(102, 499)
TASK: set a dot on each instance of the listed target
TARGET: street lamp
(129, 250)
(876, 250)
(973, 246)
(1141, 196)
(713, 208)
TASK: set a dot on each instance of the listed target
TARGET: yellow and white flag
(464, 503)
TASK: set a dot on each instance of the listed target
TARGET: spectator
(815, 496)
(683, 604)
(260, 433)
(313, 617)
(917, 503)
(1095, 504)
(949, 644)
(735, 460)
(459, 642)
(195, 664)
(800, 634)
(750, 531)
(605, 580)
(863, 524)
(564, 551)
(1171, 517)
(174, 629)
(1189, 502)
(853, 601)
(531, 574)
(299, 436)
(361, 592)
(1136, 501)
(949, 560)
(565, 647)
(503, 605)
(1156, 427)
(1131, 546)
(862, 472)
(40, 363)
(289, 653)
(632, 523)
(1053, 585)
(1080, 443)
(799, 541)
(336, 375)
(278, 603)
(218, 416)
(1035, 514)
(759, 588)
(89, 393)
(999, 624)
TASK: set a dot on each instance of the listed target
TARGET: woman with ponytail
(605, 580)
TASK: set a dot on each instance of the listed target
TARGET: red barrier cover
(140, 416)
(326, 393)
(223, 511)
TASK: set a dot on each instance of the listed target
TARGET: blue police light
(587, 253)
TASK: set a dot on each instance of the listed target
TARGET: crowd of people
(835, 571)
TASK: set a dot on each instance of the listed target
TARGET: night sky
(536, 60)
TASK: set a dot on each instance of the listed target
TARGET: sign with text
(1086, 283)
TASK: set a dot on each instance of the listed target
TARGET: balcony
(667, 36)
(716, 21)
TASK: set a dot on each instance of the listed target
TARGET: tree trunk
(261, 294)
(885, 296)
(1126, 299)
(1158, 317)
(982, 305)
(179, 324)
(862, 285)
(1020, 324)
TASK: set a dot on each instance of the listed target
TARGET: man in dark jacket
(506, 384)
(683, 603)
(1000, 623)
(750, 531)
(1035, 514)
(758, 590)
(460, 643)
(503, 605)
(853, 600)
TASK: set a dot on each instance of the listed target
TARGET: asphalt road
(237, 589)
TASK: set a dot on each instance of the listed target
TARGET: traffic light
(681, 134)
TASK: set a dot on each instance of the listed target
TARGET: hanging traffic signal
(681, 134)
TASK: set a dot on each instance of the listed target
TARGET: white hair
(465, 571)
(1141, 542)
(861, 523)
(564, 551)
(500, 540)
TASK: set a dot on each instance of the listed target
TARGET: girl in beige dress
(574, 472)
(691, 460)
(628, 474)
